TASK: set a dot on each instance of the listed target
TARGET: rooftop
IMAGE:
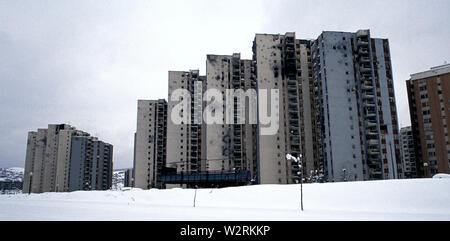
(434, 71)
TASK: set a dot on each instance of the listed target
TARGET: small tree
(316, 176)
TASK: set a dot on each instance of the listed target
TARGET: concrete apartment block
(231, 144)
(150, 143)
(353, 75)
(51, 154)
(285, 63)
(49, 159)
(277, 71)
(429, 98)
(185, 148)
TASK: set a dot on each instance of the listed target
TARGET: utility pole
(195, 194)
(300, 165)
(298, 161)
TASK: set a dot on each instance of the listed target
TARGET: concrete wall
(29, 160)
(77, 163)
(63, 160)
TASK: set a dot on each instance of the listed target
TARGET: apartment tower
(150, 143)
(356, 121)
(429, 98)
(278, 69)
(231, 141)
(185, 130)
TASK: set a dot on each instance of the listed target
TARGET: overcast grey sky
(88, 62)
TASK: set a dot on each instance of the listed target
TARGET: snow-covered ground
(417, 199)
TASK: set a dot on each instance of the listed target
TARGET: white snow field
(414, 199)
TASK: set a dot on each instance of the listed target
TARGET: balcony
(368, 96)
(362, 42)
(370, 123)
(364, 69)
(373, 152)
(363, 51)
(367, 86)
(368, 104)
(371, 114)
(364, 59)
(373, 142)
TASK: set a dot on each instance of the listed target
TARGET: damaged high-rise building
(185, 146)
(337, 107)
(356, 115)
(279, 66)
(231, 141)
(193, 145)
(328, 100)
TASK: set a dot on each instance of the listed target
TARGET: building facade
(91, 165)
(150, 143)
(64, 157)
(429, 98)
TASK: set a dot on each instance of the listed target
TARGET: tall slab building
(185, 129)
(231, 140)
(357, 121)
(284, 63)
(150, 143)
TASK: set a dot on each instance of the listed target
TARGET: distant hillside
(12, 173)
